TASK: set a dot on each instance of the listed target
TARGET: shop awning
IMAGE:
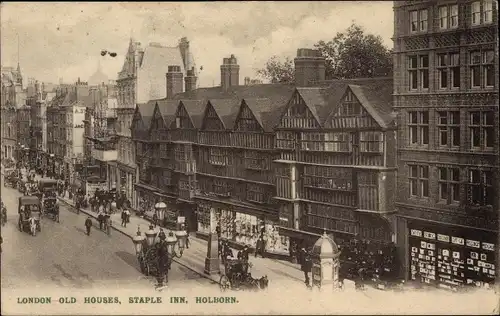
(145, 187)
(296, 233)
(242, 208)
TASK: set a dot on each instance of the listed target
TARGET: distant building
(98, 77)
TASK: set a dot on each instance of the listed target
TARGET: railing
(188, 135)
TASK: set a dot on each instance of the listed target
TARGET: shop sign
(444, 238)
(473, 243)
(457, 240)
(181, 219)
(429, 235)
(416, 232)
(284, 219)
(488, 246)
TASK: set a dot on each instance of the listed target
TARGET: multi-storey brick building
(65, 129)
(10, 85)
(446, 95)
(142, 78)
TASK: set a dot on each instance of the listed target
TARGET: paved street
(64, 256)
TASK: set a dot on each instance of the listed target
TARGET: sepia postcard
(264, 158)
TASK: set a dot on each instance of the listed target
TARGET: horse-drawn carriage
(48, 189)
(237, 277)
(29, 210)
(11, 178)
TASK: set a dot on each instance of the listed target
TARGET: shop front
(451, 257)
(242, 226)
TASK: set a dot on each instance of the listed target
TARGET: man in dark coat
(306, 265)
(88, 224)
(259, 247)
(155, 219)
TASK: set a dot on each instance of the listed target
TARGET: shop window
(449, 129)
(481, 127)
(449, 185)
(371, 142)
(419, 181)
(480, 191)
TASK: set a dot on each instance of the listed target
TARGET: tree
(354, 54)
(277, 71)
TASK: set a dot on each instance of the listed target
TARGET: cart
(236, 276)
(29, 207)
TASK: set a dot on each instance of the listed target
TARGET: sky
(64, 40)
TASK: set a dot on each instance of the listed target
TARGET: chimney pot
(174, 81)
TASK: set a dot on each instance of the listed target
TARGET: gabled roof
(375, 92)
(195, 110)
(377, 100)
(276, 94)
(315, 99)
(146, 111)
(227, 109)
(167, 109)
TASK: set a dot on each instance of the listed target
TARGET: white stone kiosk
(325, 263)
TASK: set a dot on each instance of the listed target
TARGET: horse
(33, 225)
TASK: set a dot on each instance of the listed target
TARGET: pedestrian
(123, 218)
(259, 247)
(186, 227)
(306, 265)
(218, 230)
(88, 224)
(127, 217)
(155, 219)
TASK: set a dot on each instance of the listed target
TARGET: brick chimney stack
(309, 66)
(190, 80)
(229, 73)
(174, 81)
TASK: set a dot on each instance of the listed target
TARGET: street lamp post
(160, 208)
(138, 241)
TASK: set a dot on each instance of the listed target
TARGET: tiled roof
(277, 96)
(167, 109)
(195, 109)
(146, 110)
(227, 109)
(375, 92)
(315, 99)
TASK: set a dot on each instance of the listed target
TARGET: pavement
(194, 257)
(63, 256)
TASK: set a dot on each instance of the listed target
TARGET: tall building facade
(446, 96)
(143, 77)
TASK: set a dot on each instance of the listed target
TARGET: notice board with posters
(449, 261)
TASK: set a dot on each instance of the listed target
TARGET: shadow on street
(129, 259)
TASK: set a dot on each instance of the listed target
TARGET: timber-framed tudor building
(446, 96)
(297, 161)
